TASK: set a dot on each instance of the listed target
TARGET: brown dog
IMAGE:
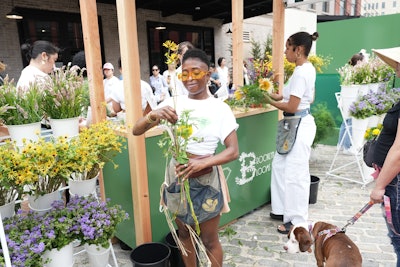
(331, 245)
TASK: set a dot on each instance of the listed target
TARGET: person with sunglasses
(159, 84)
(213, 123)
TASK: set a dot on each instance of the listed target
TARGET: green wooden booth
(248, 177)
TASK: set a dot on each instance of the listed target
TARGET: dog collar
(329, 233)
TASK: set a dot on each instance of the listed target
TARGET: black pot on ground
(151, 254)
(175, 258)
(314, 189)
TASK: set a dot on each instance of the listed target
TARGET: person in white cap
(387, 159)
(110, 82)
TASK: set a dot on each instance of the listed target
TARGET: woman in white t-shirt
(290, 180)
(42, 56)
(215, 123)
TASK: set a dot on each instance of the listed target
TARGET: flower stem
(187, 190)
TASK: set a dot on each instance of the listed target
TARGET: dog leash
(358, 215)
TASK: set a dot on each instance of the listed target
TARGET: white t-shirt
(180, 89)
(29, 75)
(223, 74)
(211, 118)
(110, 85)
(146, 91)
(302, 85)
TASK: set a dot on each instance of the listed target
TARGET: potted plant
(65, 98)
(20, 110)
(94, 146)
(324, 121)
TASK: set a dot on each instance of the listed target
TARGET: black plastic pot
(151, 254)
(314, 189)
(175, 258)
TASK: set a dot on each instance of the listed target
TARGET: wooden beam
(237, 42)
(278, 30)
(91, 41)
(128, 38)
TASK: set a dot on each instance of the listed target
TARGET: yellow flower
(238, 94)
(265, 84)
(185, 131)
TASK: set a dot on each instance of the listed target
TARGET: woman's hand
(164, 113)
(185, 170)
(377, 195)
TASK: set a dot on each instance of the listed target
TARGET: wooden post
(237, 42)
(126, 11)
(278, 29)
(91, 40)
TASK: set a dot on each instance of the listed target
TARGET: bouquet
(65, 95)
(19, 106)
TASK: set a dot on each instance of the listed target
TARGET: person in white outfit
(180, 89)
(110, 82)
(290, 181)
(41, 56)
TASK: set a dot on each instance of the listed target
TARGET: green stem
(187, 190)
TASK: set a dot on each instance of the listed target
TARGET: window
(383, 5)
(200, 37)
(60, 28)
(325, 7)
(394, 4)
(246, 36)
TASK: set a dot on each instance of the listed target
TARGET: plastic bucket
(313, 189)
(175, 259)
(151, 254)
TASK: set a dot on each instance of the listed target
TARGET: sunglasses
(195, 74)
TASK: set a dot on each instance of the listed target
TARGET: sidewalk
(257, 243)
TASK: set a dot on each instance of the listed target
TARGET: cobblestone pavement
(257, 243)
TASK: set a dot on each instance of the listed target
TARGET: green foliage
(228, 232)
(324, 121)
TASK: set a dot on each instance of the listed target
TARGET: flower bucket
(358, 131)
(348, 94)
(373, 121)
(29, 131)
(313, 189)
(363, 89)
(97, 255)
(62, 127)
(151, 254)
(59, 258)
(43, 203)
(175, 258)
(82, 188)
(7, 210)
(377, 87)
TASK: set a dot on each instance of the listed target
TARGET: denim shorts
(205, 193)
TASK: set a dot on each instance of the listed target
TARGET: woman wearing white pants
(290, 182)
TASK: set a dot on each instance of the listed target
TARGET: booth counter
(248, 177)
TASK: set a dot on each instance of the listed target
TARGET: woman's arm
(390, 169)
(291, 106)
(153, 118)
(230, 153)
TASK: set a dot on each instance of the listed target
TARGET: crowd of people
(165, 97)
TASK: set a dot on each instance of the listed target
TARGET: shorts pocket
(174, 199)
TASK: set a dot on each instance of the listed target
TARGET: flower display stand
(336, 171)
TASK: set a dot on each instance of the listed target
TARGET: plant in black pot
(324, 121)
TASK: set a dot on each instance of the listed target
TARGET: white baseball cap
(108, 66)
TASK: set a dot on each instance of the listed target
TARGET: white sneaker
(350, 151)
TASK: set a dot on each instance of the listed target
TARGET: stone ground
(254, 241)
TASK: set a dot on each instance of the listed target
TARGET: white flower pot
(358, 131)
(43, 203)
(7, 210)
(30, 132)
(59, 258)
(348, 94)
(98, 256)
(65, 127)
(82, 188)
(373, 121)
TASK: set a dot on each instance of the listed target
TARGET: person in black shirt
(387, 159)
